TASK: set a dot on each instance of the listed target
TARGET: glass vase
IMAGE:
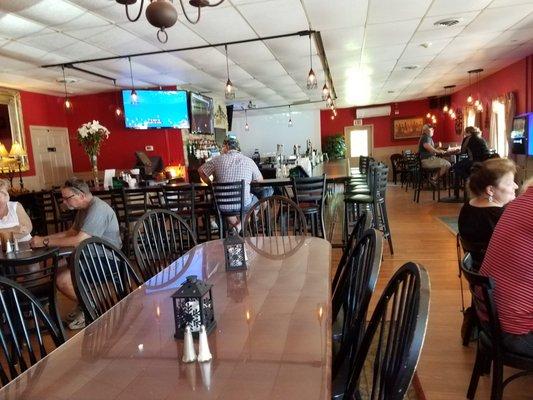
(94, 166)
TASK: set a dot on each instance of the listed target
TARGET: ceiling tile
(389, 34)
(52, 12)
(498, 19)
(210, 23)
(275, 16)
(457, 7)
(382, 11)
(13, 26)
(345, 13)
(346, 39)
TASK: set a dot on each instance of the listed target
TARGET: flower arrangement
(90, 135)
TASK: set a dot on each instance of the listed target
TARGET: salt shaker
(15, 243)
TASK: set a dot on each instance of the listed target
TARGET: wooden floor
(445, 365)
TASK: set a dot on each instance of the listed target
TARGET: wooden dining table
(271, 341)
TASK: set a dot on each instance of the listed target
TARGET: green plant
(335, 147)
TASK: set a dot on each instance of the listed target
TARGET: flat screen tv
(156, 109)
(201, 114)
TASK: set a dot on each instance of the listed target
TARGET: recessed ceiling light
(410, 67)
(426, 44)
(390, 91)
(447, 22)
(67, 79)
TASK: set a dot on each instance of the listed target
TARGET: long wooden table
(272, 339)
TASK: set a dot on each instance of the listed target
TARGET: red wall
(119, 150)
(513, 78)
(40, 109)
(517, 77)
(383, 125)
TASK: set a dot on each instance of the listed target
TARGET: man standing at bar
(232, 166)
(94, 218)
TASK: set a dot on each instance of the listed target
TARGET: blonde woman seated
(13, 217)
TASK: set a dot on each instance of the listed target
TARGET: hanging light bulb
(67, 103)
(450, 111)
(229, 93)
(118, 110)
(469, 99)
(246, 126)
(329, 101)
(476, 103)
(445, 108)
(290, 117)
(335, 112)
(311, 77)
(134, 96)
(479, 107)
(428, 115)
(325, 91)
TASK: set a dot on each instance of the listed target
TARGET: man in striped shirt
(509, 261)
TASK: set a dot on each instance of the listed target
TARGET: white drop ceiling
(367, 43)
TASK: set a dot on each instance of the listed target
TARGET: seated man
(232, 166)
(509, 261)
(427, 151)
(94, 217)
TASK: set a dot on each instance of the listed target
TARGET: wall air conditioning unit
(370, 112)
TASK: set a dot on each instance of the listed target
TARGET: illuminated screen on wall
(156, 109)
(201, 114)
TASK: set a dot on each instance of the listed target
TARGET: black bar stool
(310, 194)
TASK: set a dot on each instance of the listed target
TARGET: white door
(358, 143)
(51, 153)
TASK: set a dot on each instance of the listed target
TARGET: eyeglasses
(69, 197)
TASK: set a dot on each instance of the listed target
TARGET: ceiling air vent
(447, 22)
(68, 80)
(410, 67)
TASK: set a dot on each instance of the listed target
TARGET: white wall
(269, 129)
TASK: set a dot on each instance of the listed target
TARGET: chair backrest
(476, 249)
(396, 159)
(179, 198)
(309, 190)
(482, 289)
(275, 216)
(26, 329)
(397, 330)
(46, 208)
(102, 276)
(364, 164)
(159, 238)
(354, 291)
(229, 198)
(363, 223)
(379, 186)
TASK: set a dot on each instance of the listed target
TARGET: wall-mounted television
(156, 109)
(202, 116)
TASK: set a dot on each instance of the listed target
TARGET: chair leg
(345, 227)
(476, 373)
(385, 218)
(497, 380)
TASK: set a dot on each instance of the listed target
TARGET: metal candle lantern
(234, 252)
(193, 306)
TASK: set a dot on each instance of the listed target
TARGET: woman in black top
(475, 147)
(492, 185)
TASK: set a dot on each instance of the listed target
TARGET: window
(359, 143)
(498, 134)
(470, 117)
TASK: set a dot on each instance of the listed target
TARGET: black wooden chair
(352, 296)
(398, 167)
(63, 215)
(25, 329)
(102, 276)
(36, 272)
(229, 202)
(396, 333)
(180, 200)
(423, 178)
(309, 194)
(275, 216)
(490, 347)
(363, 223)
(46, 213)
(159, 238)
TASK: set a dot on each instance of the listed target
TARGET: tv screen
(156, 109)
(201, 114)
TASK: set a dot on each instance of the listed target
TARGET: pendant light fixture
(134, 96)
(325, 91)
(229, 93)
(290, 117)
(246, 126)
(469, 99)
(118, 110)
(67, 103)
(445, 107)
(311, 77)
(329, 101)
(162, 14)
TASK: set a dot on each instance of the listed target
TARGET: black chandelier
(162, 14)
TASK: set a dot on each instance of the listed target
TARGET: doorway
(358, 143)
(51, 153)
